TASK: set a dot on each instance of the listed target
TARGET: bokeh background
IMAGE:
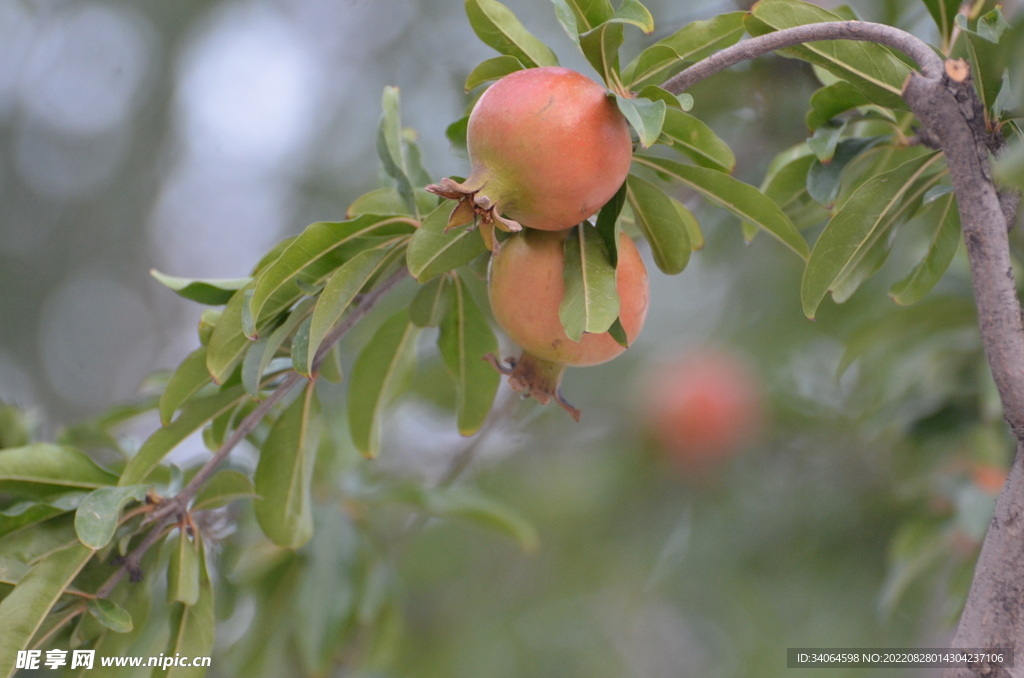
(190, 136)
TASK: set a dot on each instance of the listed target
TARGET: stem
(52, 631)
(927, 60)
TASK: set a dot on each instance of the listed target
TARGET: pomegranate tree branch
(927, 60)
(943, 98)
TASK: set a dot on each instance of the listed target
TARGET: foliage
(71, 515)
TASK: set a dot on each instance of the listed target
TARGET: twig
(918, 50)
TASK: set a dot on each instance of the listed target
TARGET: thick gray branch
(927, 60)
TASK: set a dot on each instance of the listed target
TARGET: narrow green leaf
(301, 355)
(183, 571)
(418, 174)
(192, 628)
(691, 137)
(51, 465)
(946, 238)
(691, 43)
(943, 12)
(601, 48)
(662, 223)
(341, 289)
(587, 14)
(285, 471)
(989, 27)
(433, 252)
(591, 300)
(498, 27)
(693, 231)
(382, 371)
(492, 69)
(248, 322)
(618, 333)
(607, 219)
(464, 339)
(825, 179)
(223, 488)
(111, 615)
(824, 140)
(430, 304)
(387, 201)
(207, 322)
(164, 439)
(190, 376)
(330, 368)
(634, 13)
(830, 101)
(647, 117)
(212, 292)
(743, 200)
(683, 102)
(26, 513)
(858, 225)
(390, 148)
(869, 67)
(97, 515)
(566, 17)
(456, 134)
(23, 610)
(786, 184)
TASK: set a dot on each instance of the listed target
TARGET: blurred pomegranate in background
(703, 407)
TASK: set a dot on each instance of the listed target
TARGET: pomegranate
(548, 148)
(703, 408)
(525, 287)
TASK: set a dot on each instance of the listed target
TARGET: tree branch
(927, 60)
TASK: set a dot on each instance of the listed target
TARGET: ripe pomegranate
(548, 148)
(525, 287)
(703, 408)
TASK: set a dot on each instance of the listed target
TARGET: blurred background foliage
(190, 136)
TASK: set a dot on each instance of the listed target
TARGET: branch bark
(943, 98)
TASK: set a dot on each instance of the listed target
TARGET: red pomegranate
(548, 148)
(525, 287)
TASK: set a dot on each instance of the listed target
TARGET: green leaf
(430, 304)
(830, 101)
(691, 43)
(618, 333)
(498, 27)
(591, 300)
(662, 223)
(464, 339)
(743, 200)
(456, 134)
(433, 252)
(601, 48)
(53, 465)
(989, 27)
(301, 355)
(418, 174)
(207, 322)
(634, 13)
(586, 14)
(111, 615)
(192, 628)
(390, 147)
(824, 140)
(786, 184)
(164, 439)
(944, 12)
(23, 610)
(382, 371)
(683, 102)
(607, 219)
(492, 69)
(260, 353)
(183, 571)
(26, 513)
(285, 472)
(321, 248)
(945, 219)
(97, 515)
(691, 137)
(647, 117)
(693, 231)
(341, 289)
(212, 292)
(849, 235)
(190, 376)
(825, 179)
(387, 201)
(869, 67)
(223, 488)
